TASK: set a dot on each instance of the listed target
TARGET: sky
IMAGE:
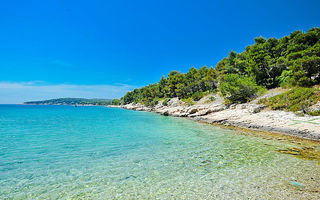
(102, 49)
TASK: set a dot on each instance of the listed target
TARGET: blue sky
(104, 48)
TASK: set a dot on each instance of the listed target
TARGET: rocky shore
(250, 115)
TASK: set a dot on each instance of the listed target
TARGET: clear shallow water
(65, 152)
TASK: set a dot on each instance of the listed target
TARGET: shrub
(210, 99)
(314, 113)
(206, 92)
(154, 102)
(306, 70)
(165, 101)
(197, 96)
(285, 78)
(188, 101)
(239, 89)
(115, 102)
(296, 99)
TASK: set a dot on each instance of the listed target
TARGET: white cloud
(19, 92)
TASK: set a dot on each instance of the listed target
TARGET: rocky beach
(249, 115)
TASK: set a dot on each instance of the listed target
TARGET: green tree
(115, 102)
(238, 89)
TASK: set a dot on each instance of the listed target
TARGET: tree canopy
(176, 84)
(266, 60)
(292, 60)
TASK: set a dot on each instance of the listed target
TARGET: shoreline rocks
(249, 115)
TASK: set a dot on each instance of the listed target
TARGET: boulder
(193, 110)
(216, 108)
(252, 108)
(174, 102)
(314, 108)
(255, 108)
(233, 106)
(165, 113)
(241, 106)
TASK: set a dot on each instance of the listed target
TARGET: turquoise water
(65, 152)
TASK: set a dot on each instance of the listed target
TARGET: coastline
(250, 116)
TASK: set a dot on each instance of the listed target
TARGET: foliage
(165, 101)
(314, 113)
(306, 71)
(266, 60)
(115, 102)
(183, 85)
(285, 78)
(296, 99)
(292, 60)
(72, 101)
(197, 96)
(210, 99)
(188, 101)
(238, 89)
(153, 102)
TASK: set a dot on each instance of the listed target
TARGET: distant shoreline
(22, 104)
(71, 101)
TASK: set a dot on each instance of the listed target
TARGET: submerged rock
(165, 113)
(308, 153)
(296, 184)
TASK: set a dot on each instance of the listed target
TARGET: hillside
(291, 61)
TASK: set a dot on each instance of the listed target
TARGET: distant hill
(71, 101)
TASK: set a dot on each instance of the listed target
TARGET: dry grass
(276, 90)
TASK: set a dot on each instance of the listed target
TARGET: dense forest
(71, 101)
(292, 61)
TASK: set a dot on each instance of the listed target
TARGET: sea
(92, 152)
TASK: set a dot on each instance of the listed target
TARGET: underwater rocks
(308, 153)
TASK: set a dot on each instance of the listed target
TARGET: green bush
(296, 99)
(305, 70)
(115, 102)
(210, 99)
(188, 101)
(197, 96)
(239, 89)
(154, 102)
(165, 101)
(206, 92)
(285, 78)
(314, 113)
